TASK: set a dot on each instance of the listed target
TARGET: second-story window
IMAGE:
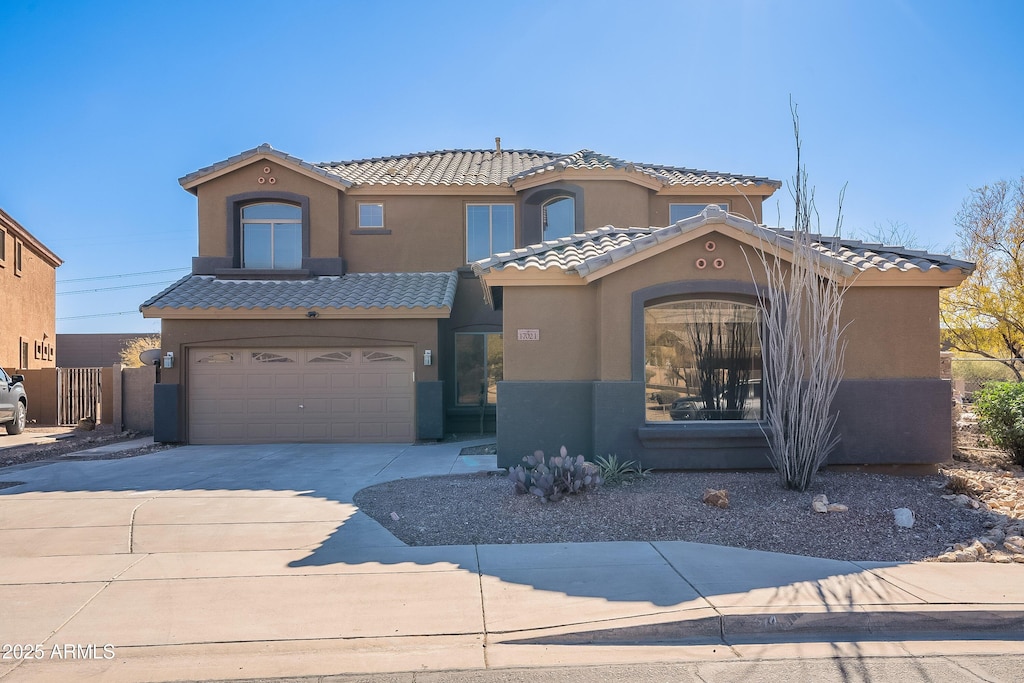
(558, 217)
(272, 236)
(371, 216)
(490, 229)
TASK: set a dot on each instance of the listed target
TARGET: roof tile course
(481, 167)
(352, 291)
(590, 251)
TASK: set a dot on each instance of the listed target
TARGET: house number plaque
(528, 335)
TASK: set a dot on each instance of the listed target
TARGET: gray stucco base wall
(429, 410)
(166, 418)
(894, 421)
(880, 422)
(544, 416)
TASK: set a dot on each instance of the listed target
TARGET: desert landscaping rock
(719, 498)
(903, 517)
(820, 503)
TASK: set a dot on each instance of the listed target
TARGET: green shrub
(551, 480)
(613, 471)
(1000, 408)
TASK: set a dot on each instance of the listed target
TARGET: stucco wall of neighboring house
(29, 307)
(94, 350)
(324, 220)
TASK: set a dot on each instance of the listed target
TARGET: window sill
(370, 231)
(261, 274)
(702, 434)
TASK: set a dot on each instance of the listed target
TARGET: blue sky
(107, 104)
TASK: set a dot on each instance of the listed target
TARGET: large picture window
(479, 363)
(702, 361)
(272, 236)
(490, 229)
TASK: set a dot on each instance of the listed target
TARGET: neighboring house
(28, 294)
(403, 298)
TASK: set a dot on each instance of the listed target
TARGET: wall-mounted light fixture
(312, 314)
(427, 359)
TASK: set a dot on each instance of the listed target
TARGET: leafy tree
(129, 354)
(985, 315)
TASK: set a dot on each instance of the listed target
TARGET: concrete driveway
(243, 562)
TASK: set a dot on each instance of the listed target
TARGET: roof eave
(193, 180)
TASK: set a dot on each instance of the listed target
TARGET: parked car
(13, 402)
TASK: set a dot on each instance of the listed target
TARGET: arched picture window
(558, 217)
(702, 361)
(272, 236)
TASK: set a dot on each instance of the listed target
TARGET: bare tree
(802, 337)
(129, 353)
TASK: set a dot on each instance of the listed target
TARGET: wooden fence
(78, 394)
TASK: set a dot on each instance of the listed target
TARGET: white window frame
(490, 206)
(368, 226)
(272, 222)
(700, 207)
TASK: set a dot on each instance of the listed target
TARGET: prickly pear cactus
(551, 480)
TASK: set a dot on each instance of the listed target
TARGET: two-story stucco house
(28, 276)
(402, 298)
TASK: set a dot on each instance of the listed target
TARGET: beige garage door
(239, 395)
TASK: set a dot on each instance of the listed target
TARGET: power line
(98, 315)
(110, 289)
(110, 277)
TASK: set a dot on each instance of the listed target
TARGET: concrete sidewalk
(246, 562)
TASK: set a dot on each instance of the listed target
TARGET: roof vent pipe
(497, 145)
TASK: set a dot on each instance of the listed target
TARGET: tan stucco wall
(570, 333)
(893, 331)
(428, 233)
(29, 308)
(615, 202)
(427, 229)
(177, 335)
(213, 211)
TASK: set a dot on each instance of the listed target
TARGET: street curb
(955, 623)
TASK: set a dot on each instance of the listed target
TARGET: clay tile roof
(588, 252)
(478, 167)
(368, 291)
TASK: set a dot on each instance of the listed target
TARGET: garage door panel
(341, 382)
(397, 406)
(253, 396)
(371, 380)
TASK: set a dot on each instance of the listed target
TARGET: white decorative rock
(904, 517)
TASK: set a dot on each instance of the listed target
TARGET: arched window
(702, 361)
(272, 236)
(558, 217)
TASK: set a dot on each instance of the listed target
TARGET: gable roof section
(354, 295)
(478, 167)
(594, 254)
(264, 151)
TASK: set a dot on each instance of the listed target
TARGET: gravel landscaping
(667, 506)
